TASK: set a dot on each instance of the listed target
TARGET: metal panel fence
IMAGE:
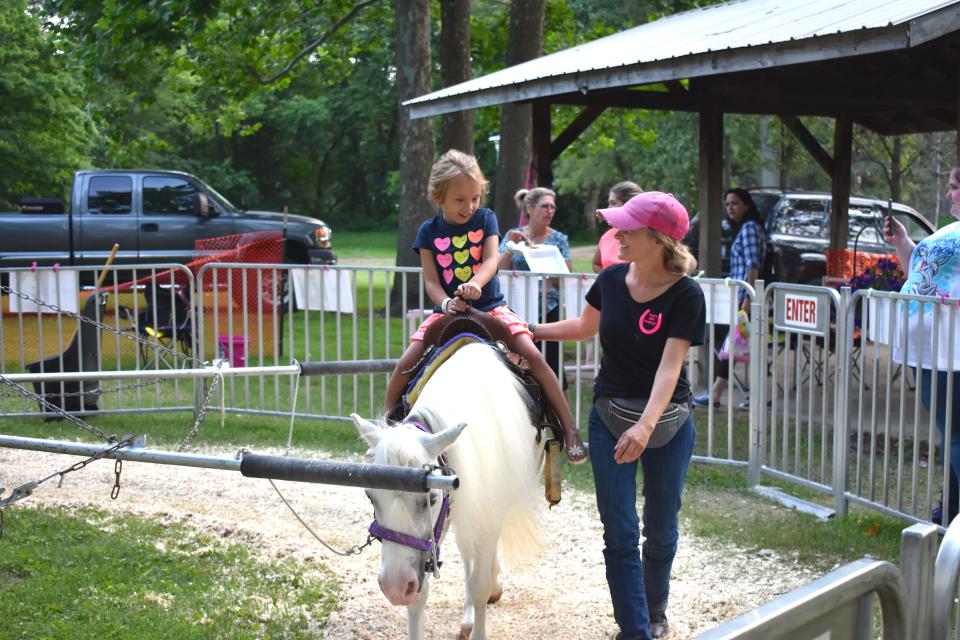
(140, 319)
(829, 398)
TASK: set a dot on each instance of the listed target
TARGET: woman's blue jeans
(926, 395)
(639, 586)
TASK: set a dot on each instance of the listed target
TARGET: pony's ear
(437, 443)
(368, 430)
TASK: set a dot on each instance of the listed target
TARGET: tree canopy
(295, 103)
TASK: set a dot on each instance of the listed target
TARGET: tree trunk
(525, 42)
(456, 129)
(896, 168)
(590, 205)
(416, 137)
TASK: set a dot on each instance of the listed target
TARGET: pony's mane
(496, 457)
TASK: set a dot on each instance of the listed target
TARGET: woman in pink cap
(648, 312)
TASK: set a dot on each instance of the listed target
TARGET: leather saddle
(445, 336)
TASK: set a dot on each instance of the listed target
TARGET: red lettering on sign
(800, 310)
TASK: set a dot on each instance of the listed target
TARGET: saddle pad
(442, 355)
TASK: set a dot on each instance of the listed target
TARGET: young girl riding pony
(459, 250)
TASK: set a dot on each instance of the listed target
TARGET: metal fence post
(918, 551)
(758, 382)
(841, 412)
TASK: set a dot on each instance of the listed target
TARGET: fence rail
(840, 392)
(831, 400)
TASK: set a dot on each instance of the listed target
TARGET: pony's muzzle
(400, 590)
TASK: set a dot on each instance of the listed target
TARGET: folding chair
(164, 328)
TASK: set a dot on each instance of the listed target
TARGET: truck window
(805, 218)
(163, 194)
(864, 221)
(915, 230)
(110, 195)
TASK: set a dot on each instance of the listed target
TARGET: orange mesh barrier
(840, 266)
(240, 301)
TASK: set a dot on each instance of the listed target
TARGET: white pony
(498, 463)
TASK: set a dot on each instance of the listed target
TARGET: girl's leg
(398, 379)
(573, 445)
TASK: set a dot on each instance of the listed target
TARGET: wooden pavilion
(892, 66)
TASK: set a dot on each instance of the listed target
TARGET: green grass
(56, 579)
(352, 245)
(87, 574)
(365, 244)
(718, 505)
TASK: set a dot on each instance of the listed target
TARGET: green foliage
(293, 103)
(44, 131)
(87, 574)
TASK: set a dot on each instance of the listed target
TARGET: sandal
(575, 449)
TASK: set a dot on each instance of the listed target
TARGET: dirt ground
(561, 595)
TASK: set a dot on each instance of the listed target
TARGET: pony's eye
(433, 499)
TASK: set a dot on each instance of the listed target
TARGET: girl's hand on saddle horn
(469, 291)
(453, 306)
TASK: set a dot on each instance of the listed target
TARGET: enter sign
(802, 312)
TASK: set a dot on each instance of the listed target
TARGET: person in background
(458, 252)
(746, 259)
(607, 247)
(539, 206)
(648, 312)
(932, 268)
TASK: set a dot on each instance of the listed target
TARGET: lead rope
(352, 551)
(293, 411)
(434, 535)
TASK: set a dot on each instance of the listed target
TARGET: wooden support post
(711, 189)
(840, 178)
(809, 142)
(574, 129)
(542, 158)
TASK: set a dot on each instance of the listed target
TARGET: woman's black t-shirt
(633, 334)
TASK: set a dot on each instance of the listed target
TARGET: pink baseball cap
(655, 209)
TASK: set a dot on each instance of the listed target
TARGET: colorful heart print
(476, 268)
(444, 259)
(477, 253)
(459, 241)
(463, 273)
(442, 244)
(448, 275)
(475, 236)
(461, 256)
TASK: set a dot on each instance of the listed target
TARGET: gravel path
(561, 595)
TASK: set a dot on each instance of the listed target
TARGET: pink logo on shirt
(650, 322)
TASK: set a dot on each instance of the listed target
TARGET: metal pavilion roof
(744, 35)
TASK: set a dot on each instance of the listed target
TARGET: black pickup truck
(798, 230)
(155, 217)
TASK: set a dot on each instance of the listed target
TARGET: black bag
(619, 414)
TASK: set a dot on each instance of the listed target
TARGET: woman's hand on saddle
(468, 291)
(632, 443)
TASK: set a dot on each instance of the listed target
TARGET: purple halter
(382, 533)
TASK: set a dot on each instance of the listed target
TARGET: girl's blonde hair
(532, 196)
(450, 165)
(677, 258)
